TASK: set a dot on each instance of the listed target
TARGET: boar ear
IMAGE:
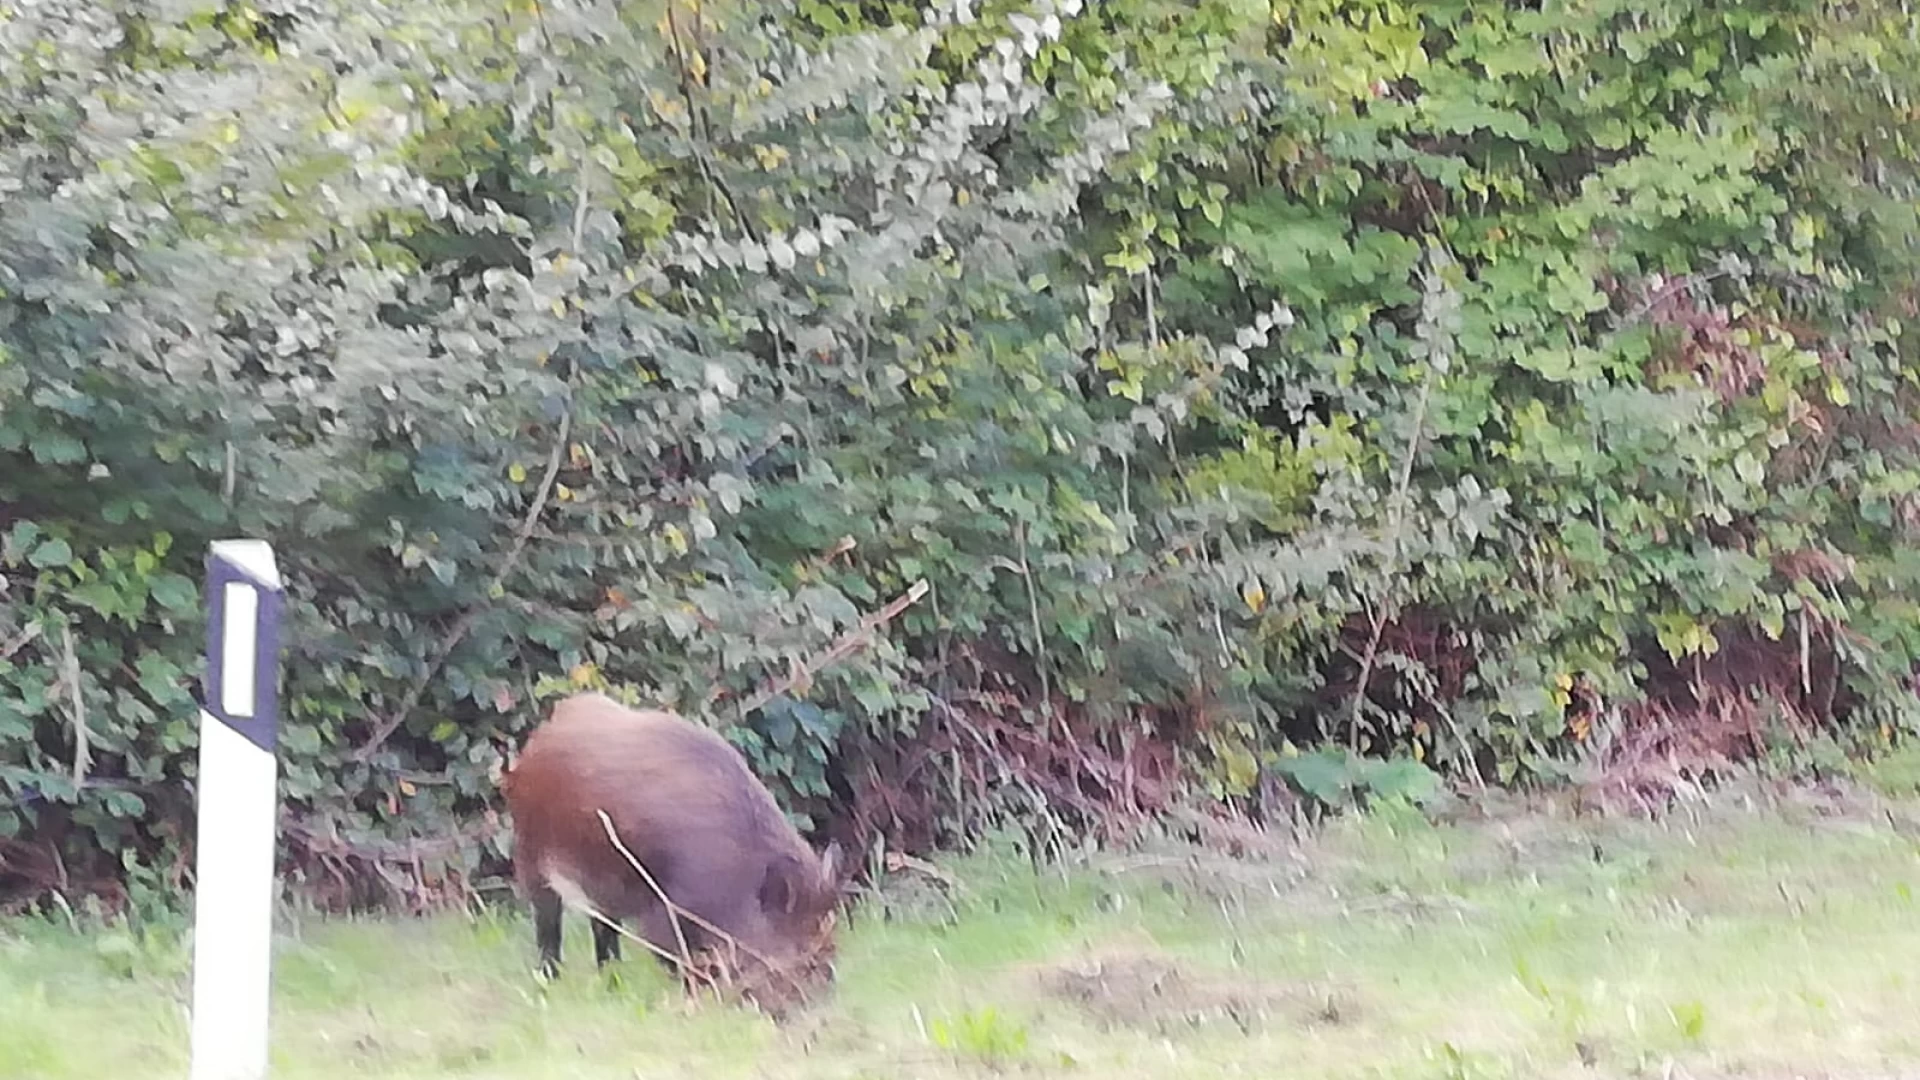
(780, 885)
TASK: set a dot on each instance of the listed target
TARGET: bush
(1485, 387)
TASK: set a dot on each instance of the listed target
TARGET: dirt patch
(914, 891)
(1153, 994)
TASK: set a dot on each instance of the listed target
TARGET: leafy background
(1043, 414)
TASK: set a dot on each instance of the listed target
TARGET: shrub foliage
(985, 411)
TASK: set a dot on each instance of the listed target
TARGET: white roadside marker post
(238, 808)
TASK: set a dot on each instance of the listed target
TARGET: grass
(1760, 939)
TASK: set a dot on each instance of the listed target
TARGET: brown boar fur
(685, 804)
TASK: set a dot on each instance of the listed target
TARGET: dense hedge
(1503, 389)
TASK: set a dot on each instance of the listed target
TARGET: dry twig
(673, 909)
(712, 972)
(77, 714)
(844, 646)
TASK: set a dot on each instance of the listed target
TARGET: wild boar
(684, 803)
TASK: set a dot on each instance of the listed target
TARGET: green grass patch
(1743, 941)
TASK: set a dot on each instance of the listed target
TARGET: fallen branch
(676, 913)
(82, 738)
(686, 967)
(844, 646)
(673, 909)
(1378, 617)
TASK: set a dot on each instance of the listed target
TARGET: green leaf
(1403, 778)
(57, 448)
(778, 723)
(1326, 775)
(124, 804)
(159, 678)
(18, 541)
(51, 555)
(101, 597)
(175, 593)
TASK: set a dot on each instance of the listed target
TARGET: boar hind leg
(546, 929)
(606, 943)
